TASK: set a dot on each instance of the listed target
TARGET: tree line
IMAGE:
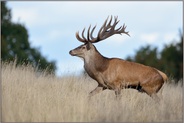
(15, 44)
(169, 60)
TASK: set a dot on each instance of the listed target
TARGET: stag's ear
(88, 46)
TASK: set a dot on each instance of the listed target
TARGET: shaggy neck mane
(97, 61)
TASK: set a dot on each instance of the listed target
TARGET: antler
(105, 31)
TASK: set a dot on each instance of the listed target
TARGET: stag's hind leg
(160, 92)
(151, 88)
(155, 97)
(152, 93)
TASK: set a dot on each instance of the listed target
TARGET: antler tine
(88, 36)
(115, 22)
(109, 24)
(102, 29)
(123, 30)
(79, 38)
(83, 35)
(91, 34)
(119, 28)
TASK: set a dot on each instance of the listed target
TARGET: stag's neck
(95, 62)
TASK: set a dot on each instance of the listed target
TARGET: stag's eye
(83, 47)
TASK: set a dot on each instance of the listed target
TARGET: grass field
(29, 97)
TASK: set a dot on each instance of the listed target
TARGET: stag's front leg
(98, 89)
(118, 92)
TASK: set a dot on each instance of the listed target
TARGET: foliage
(15, 44)
(169, 60)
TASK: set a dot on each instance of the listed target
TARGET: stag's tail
(164, 76)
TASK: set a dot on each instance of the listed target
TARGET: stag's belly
(113, 82)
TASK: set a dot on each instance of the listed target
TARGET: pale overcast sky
(52, 26)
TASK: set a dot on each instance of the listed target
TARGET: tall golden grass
(29, 97)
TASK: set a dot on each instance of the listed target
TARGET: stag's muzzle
(72, 53)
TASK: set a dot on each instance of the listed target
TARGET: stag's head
(83, 50)
(105, 31)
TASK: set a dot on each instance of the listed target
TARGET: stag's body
(115, 73)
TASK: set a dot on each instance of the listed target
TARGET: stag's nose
(71, 52)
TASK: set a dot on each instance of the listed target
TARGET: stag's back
(126, 71)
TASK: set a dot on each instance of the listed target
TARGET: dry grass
(27, 97)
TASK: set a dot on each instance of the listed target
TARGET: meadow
(31, 97)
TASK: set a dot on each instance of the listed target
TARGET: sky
(52, 26)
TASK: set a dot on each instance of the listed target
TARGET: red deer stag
(115, 73)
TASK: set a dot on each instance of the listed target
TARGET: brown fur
(115, 73)
(164, 76)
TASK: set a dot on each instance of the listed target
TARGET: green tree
(170, 60)
(15, 44)
(146, 55)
